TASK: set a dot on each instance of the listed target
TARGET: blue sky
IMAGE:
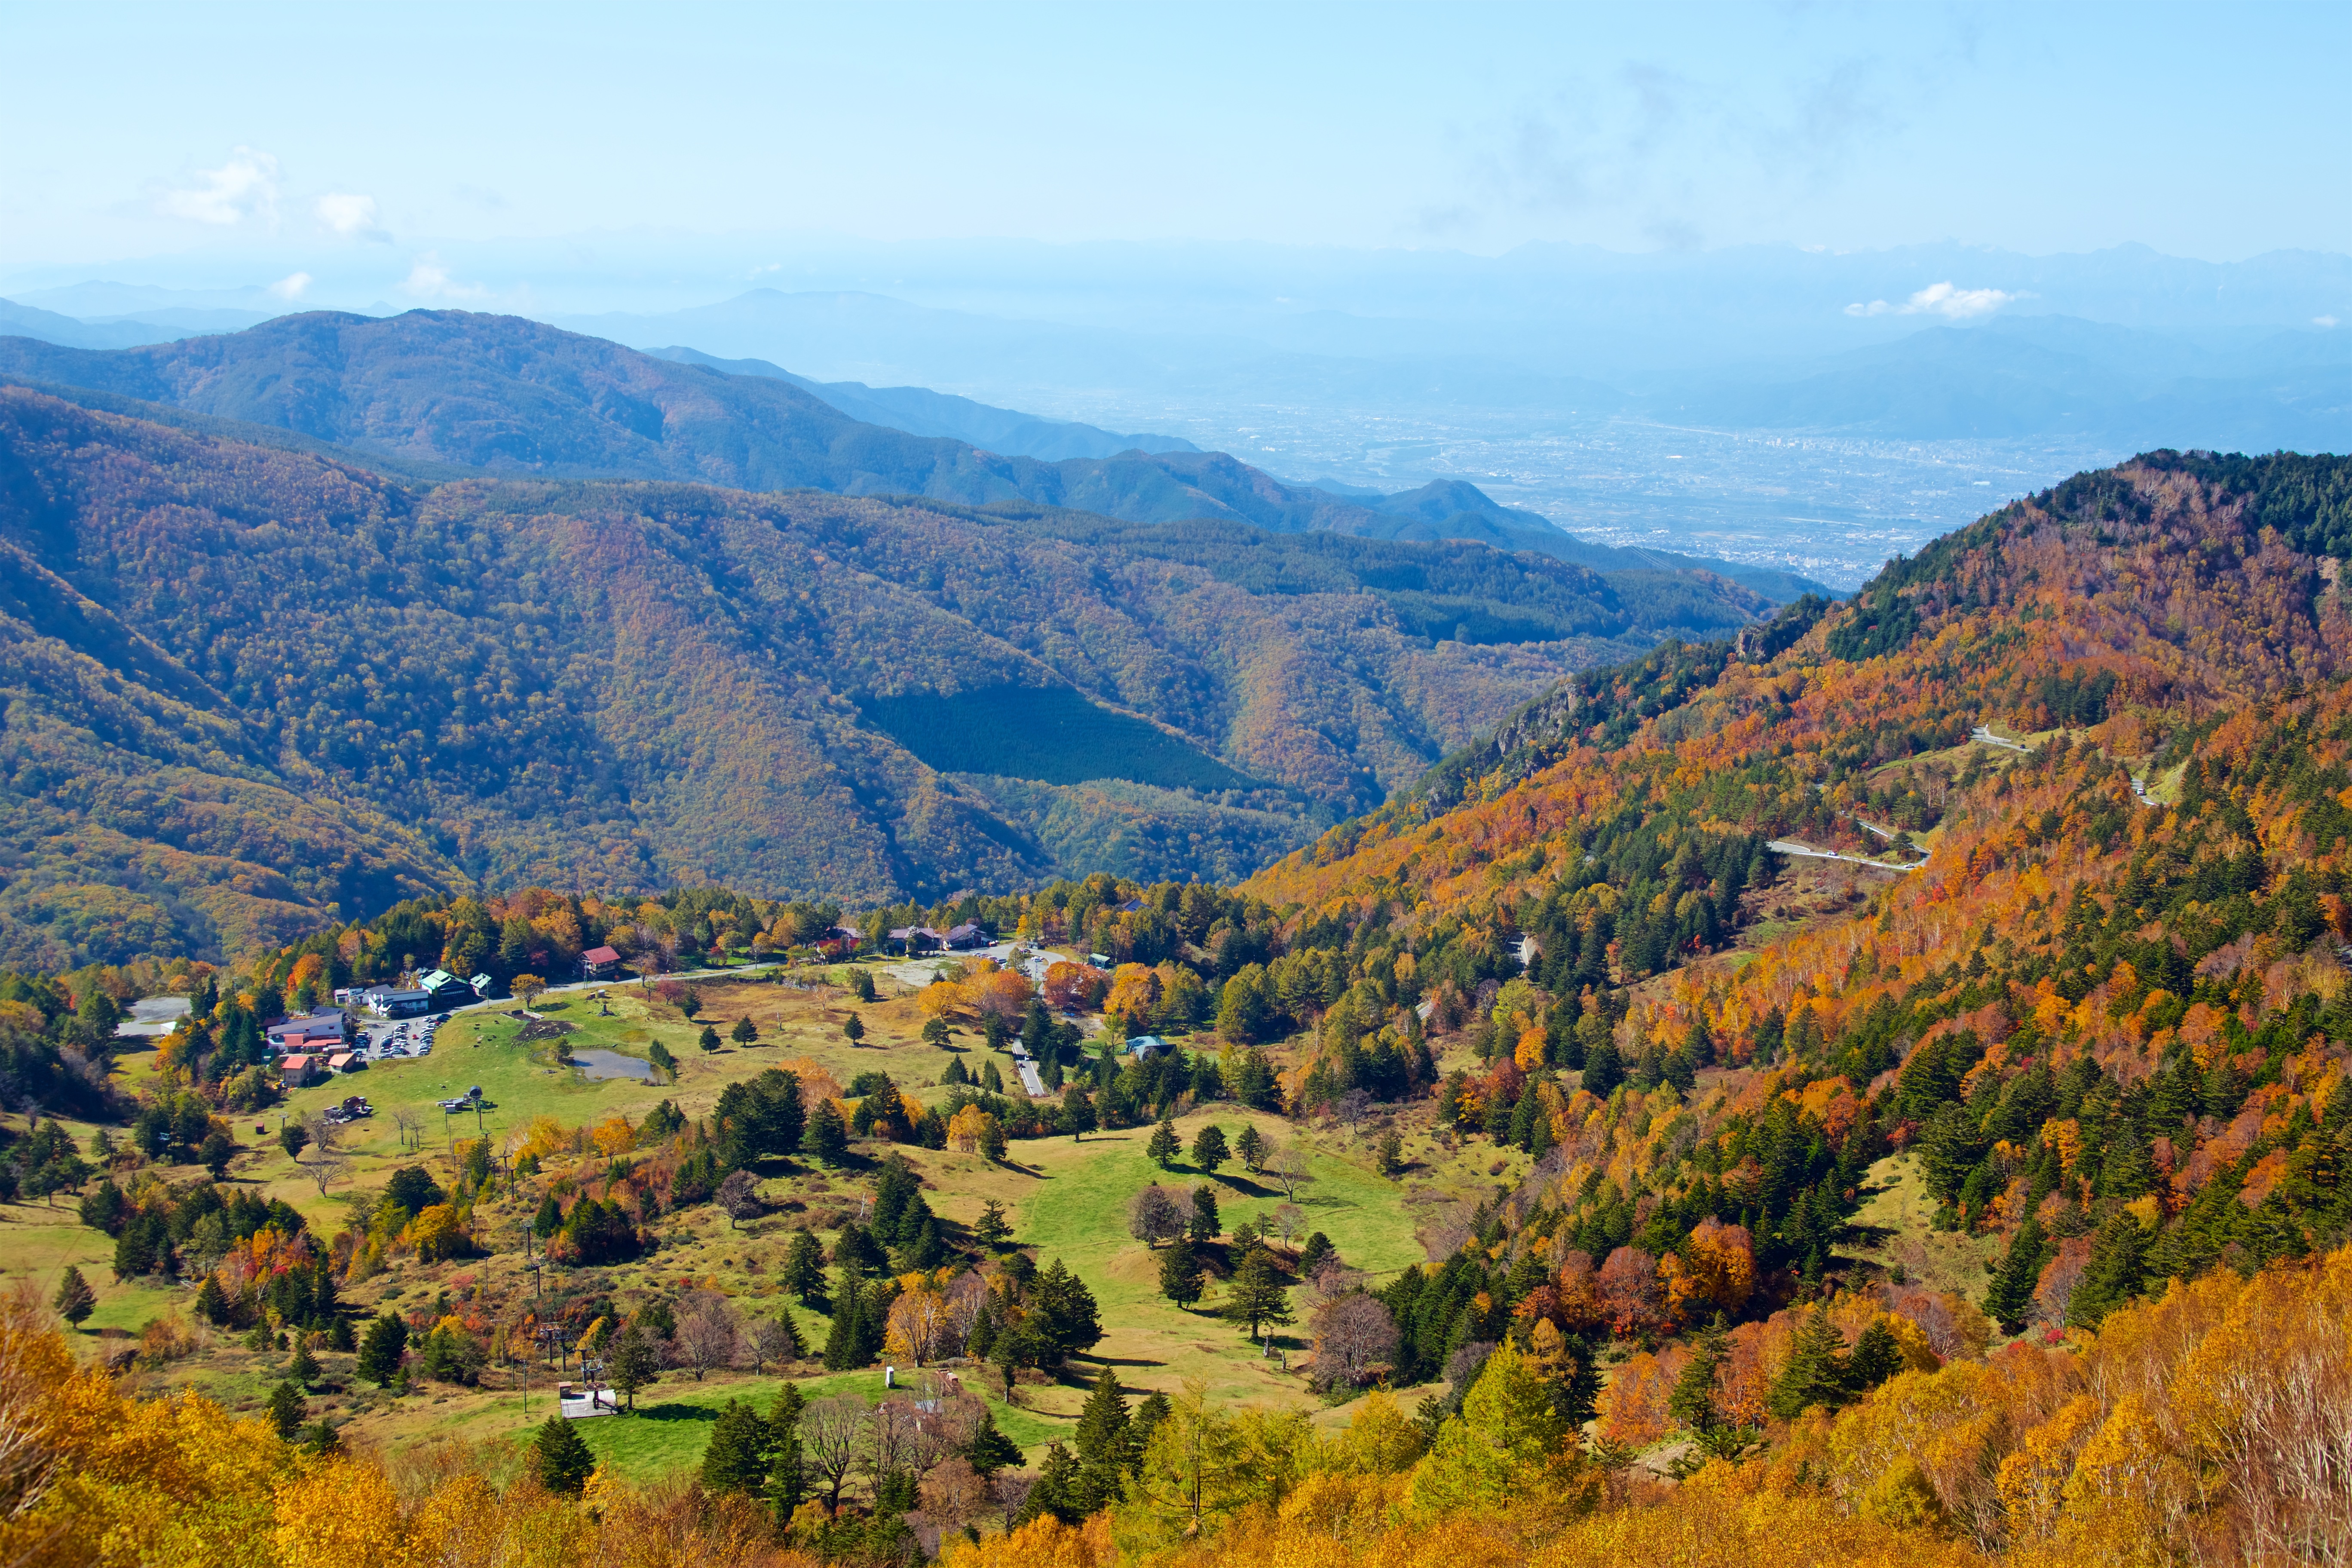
(234, 145)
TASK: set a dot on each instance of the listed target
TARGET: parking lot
(384, 1040)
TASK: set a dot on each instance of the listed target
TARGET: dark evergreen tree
(1164, 1145)
(735, 1460)
(805, 1270)
(1257, 1295)
(1209, 1149)
(560, 1459)
(380, 1350)
(1876, 1356)
(1816, 1371)
(2011, 1294)
(988, 1449)
(285, 1410)
(828, 1140)
(76, 1300)
(787, 1477)
(1205, 1223)
(633, 1363)
(1180, 1273)
(2118, 1267)
(1055, 1492)
(1105, 1442)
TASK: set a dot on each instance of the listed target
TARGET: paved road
(1806, 851)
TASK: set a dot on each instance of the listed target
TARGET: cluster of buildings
(436, 991)
(911, 940)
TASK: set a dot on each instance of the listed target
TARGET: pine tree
(1257, 1295)
(1692, 1402)
(805, 1270)
(381, 1350)
(828, 1140)
(787, 1480)
(1164, 1145)
(304, 1368)
(1251, 1147)
(631, 1365)
(1604, 1069)
(991, 1079)
(1205, 1223)
(744, 1032)
(1816, 1373)
(845, 1344)
(2011, 1291)
(1209, 1149)
(991, 1231)
(76, 1300)
(708, 1038)
(2118, 1267)
(1105, 1442)
(287, 1410)
(1391, 1156)
(549, 1218)
(736, 1458)
(1078, 1117)
(1055, 1492)
(989, 1450)
(854, 1029)
(1876, 1356)
(560, 1459)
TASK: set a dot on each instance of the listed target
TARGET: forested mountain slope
(249, 684)
(2092, 988)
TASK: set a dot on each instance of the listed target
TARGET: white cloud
(2323, 321)
(350, 216)
(1943, 299)
(244, 187)
(291, 287)
(428, 280)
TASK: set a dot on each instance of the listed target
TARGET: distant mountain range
(252, 679)
(503, 396)
(920, 411)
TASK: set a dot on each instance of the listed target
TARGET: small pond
(595, 1064)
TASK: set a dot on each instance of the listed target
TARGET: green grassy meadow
(1067, 1199)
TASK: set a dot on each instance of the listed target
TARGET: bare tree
(409, 1125)
(1288, 1166)
(954, 1494)
(1011, 1490)
(890, 1440)
(323, 1132)
(833, 1436)
(945, 1419)
(326, 1168)
(738, 1195)
(1353, 1107)
(1153, 1216)
(708, 1332)
(1288, 1220)
(768, 1340)
(1330, 1283)
(1355, 1340)
(967, 1293)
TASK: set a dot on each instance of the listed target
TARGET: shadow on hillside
(672, 1411)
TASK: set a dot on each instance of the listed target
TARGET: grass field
(1067, 1199)
(1895, 1218)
